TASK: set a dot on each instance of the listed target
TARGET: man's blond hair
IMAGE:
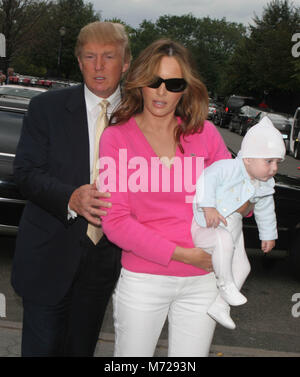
(103, 33)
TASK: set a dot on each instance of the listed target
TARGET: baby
(227, 190)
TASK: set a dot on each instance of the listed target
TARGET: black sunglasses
(172, 85)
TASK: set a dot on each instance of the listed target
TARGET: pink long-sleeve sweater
(151, 209)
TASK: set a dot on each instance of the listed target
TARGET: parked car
(232, 106)
(280, 120)
(294, 141)
(241, 120)
(19, 91)
(11, 202)
(212, 109)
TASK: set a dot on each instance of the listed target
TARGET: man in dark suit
(65, 278)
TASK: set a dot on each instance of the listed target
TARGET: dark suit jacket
(52, 160)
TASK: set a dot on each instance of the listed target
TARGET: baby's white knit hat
(263, 141)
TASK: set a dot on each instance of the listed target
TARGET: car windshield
(18, 92)
(253, 112)
(235, 102)
(10, 130)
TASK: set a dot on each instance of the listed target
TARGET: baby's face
(261, 168)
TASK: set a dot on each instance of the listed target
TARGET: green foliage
(263, 62)
(229, 57)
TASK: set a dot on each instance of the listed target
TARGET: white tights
(226, 244)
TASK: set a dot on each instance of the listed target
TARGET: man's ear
(125, 67)
(79, 63)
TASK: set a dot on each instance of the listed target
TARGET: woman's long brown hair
(192, 107)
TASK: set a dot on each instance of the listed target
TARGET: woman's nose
(162, 90)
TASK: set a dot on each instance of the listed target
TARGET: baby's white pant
(226, 244)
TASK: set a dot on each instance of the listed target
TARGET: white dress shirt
(93, 110)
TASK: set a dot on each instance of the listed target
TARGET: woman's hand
(195, 256)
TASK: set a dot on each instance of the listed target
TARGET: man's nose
(99, 64)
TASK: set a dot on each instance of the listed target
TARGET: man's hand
(213, 217)
(87, 201)
(267, 246)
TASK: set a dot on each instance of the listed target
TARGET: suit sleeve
(32, 165)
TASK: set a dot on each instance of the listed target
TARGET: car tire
(216, 120)
(297, 151)
(287, 146)
(295, 255)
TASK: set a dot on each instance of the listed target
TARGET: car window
(235, 102)
(253, 112)
(244, 110)
(10, 130)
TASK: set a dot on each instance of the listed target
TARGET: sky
(133, 12)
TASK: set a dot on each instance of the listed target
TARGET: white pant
(142, 302)
(226, 244)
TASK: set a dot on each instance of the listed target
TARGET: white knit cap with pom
(263, 141)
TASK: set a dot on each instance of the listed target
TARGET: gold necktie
(95, 232)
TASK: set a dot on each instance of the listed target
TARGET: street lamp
(62, 33)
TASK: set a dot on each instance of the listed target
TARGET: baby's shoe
(231, 294)
(221, 315)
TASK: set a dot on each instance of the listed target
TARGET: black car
(283, 122)
(11, 202)
(241, 120)
(232, 106)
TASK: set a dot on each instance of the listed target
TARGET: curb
(10, 341)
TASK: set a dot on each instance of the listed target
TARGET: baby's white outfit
(226, 186)
(232, 186)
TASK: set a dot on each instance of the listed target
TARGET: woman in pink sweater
(150, 160)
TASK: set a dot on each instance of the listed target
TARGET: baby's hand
(213, 217)
(267, 246)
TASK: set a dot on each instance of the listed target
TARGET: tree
(263, 62)
(18, 22)
(72, 15)
(211, 42)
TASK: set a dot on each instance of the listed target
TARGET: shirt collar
(92, 100)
